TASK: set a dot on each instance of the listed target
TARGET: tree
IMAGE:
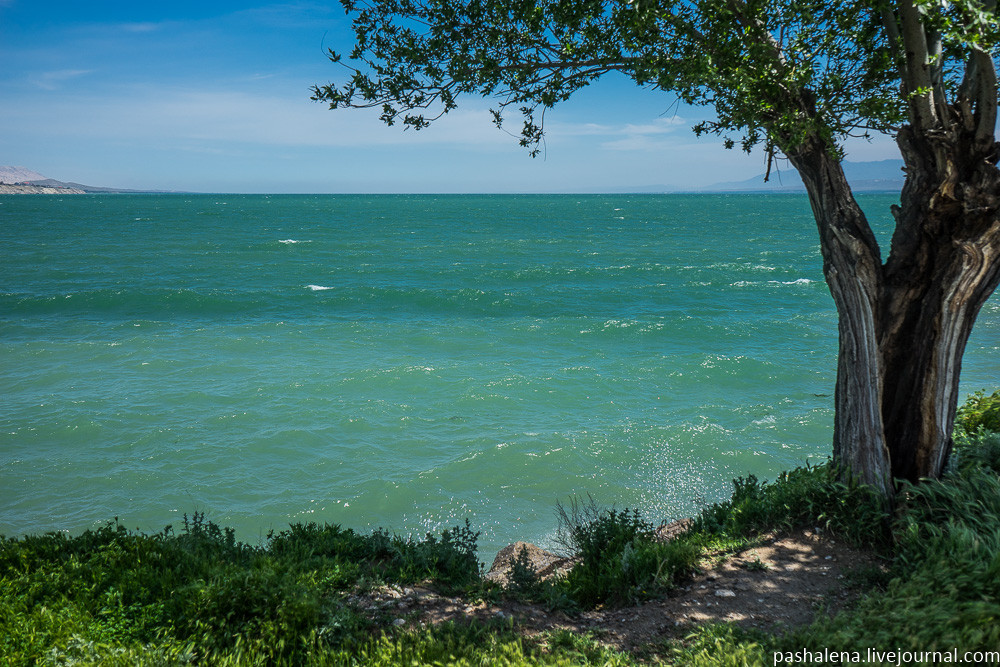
(796, 77)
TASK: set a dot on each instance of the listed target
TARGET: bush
(806, 497)
(110, 594)
(620, 559)
(979, 412)
(945, 587)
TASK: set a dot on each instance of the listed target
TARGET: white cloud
(147, 26)
(52, 80)
(656, 126)
(214, 117)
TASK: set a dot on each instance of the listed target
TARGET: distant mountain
(883, 175)
(89, 189)
(12, 175)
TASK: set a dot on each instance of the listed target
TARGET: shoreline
(37, 190)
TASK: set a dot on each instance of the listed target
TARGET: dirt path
(782, 583)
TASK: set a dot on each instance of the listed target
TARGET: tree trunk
(853, 273)
(904, 325)
(944, 264)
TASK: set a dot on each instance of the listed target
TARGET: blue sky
(214, 97)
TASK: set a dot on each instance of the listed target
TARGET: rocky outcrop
(669, 531)
(545, 563)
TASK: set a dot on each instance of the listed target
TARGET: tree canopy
(774, 71)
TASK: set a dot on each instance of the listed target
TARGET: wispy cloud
(628, 134)
(211, 118)
(652, 136)
(290, 15)
(52, 80)
(147, 26)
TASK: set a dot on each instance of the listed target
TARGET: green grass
(197, 596)
(204, 594)
(942, 590)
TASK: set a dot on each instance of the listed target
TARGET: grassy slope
(112, 596)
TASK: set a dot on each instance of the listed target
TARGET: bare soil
(782, 583)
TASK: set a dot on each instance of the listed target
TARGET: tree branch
(917, 82)
(986, 98)
(891, 26)
(935, 55)
(598, 64)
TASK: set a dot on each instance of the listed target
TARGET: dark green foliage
(413, 60)
(944, 587)
(622, 562)
(979, 450)
(977, 433)
(979, 412)
(112, 589)
(493, 645)
(805, 497)
(450, 560)
(523, 579)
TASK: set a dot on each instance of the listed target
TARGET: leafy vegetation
(112, 596)
(942, 591)
(806, 497)
(979, 412)
(204, 595)
(621, 561)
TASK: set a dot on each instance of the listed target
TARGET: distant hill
(878, 176)
(11, 175)
(882, 175)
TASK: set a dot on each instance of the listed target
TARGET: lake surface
(410, 361)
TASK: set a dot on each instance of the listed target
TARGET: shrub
(806, 497)
(620, 559)
(976, 450)
(945, 587)
(99, 597)
(979, 412)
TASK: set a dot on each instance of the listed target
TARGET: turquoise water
(409, 361)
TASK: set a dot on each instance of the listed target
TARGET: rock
(669, 531)
(545, 563)
(724, 593)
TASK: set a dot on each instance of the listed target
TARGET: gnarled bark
(854, 274)
(904, 325)
(944, 264)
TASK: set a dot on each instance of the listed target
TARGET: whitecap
(317, 288)
(291, 241)
(800, 281)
